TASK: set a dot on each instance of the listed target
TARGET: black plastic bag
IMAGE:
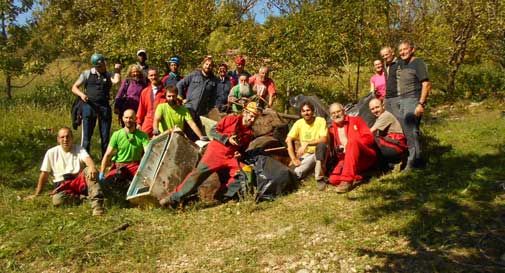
(273, 178)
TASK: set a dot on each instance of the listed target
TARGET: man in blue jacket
(198, 91)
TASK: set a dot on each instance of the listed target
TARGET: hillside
(448, 217)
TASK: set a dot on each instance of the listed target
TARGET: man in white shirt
(64, 162)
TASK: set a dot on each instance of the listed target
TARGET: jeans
(410, 123)
(392, 105)
(90, 113)
(188, 131)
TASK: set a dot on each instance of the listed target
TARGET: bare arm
(92, 172)
(195, 128)
(291, 151)
(156, 120)
(323, 139)
(107, 158)
(40, 185)
(117, 74)
(77, 91)
(271, 100)
(425, 91)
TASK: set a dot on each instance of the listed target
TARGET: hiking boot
(98, 211)
(343, 187)
(357, 182)
(321, 184)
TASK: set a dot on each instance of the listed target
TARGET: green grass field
(449, 217)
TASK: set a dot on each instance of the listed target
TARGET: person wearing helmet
(231, 137)
(96, 83)
(173, 76)
(239, 69)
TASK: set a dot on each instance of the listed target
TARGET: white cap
(141, 51)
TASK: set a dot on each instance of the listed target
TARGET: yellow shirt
(304, 132)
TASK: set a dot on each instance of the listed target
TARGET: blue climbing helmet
(174, 60)
(97, 59)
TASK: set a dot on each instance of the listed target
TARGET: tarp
(320, 108)
(361, 109)
(352, 109)
(273, 178)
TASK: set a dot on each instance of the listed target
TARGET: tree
(118, 28)
(13, 40)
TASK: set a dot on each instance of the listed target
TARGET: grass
(448, 217)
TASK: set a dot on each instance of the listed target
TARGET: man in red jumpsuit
(352, 145)
(150, 97)
(231, 137)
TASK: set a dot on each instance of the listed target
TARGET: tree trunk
(458, 55)
(8, 85)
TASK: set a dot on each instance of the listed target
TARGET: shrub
(51, 97)
(480, 82)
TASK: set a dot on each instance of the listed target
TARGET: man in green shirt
(171, 114)
(126, 148)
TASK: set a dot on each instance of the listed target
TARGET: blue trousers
(90, 114)
(392, 105)
(410, 123)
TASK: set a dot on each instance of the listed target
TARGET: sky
(262, 12)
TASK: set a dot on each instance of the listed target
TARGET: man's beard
(339, 119)
(245, 89)
(130, 125)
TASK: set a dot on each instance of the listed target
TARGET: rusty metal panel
(180, 157)
(168, 159)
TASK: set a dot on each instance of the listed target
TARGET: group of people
(342, 153)
(147, 105)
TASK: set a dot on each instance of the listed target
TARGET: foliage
(321, 38)
(163, 28)
(480, 82)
